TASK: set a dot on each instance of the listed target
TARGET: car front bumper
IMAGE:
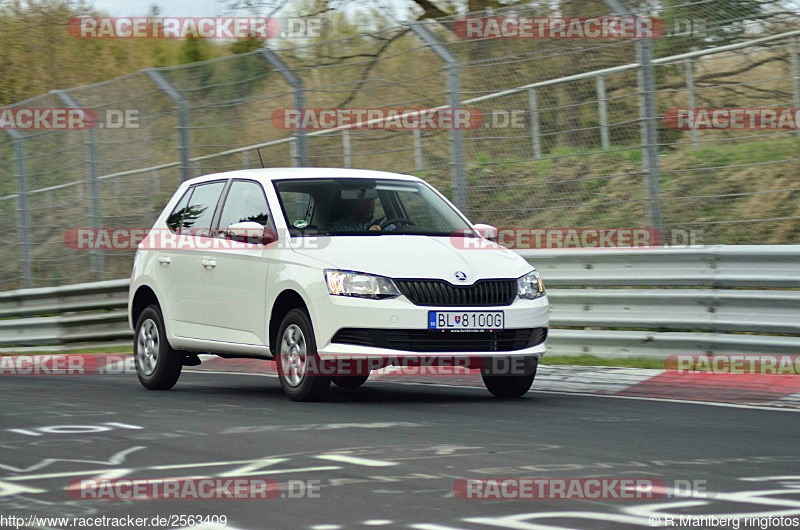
(334, 313)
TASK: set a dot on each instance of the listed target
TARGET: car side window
(200, 210)
(245, 202)
(175, 219)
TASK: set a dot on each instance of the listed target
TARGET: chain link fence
(564, 142)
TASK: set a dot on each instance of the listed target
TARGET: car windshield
(366, 207)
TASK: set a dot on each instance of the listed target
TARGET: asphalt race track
(387, 454)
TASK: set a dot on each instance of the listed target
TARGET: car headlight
(530, 286)
(349, 283)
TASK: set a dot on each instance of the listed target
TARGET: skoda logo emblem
(461, 276)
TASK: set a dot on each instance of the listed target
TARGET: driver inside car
(359, 215)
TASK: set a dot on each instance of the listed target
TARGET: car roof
(284, 173)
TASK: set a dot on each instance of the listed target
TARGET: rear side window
(198, 214)
(245, 202)
(176, 217)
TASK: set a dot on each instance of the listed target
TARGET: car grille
(424, 340)
(442, 293)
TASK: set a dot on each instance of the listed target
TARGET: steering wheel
(399, 221)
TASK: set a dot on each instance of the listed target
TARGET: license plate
(466, 320)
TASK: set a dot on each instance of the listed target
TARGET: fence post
(95, 256)
(457, 152)
(647, 101)
(536, 130)
(419, 162)
(246, 159)
(795, 72)
(689, 65)
(23, 215)
(182, 111)
(347, 148)
(602, 111)
(655, 217)
(300, 156)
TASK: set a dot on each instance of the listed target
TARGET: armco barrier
(70, 313)
(711, 300)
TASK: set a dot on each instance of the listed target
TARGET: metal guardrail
(609, 303)
(83, 312)
(720, 266)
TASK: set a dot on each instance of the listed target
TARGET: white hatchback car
(331, 273)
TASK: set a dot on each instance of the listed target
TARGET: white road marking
(7, 489)
(116, 459)
(427, 526)
(109, 473)
(776, 477)
(348, 459)
(253, 468)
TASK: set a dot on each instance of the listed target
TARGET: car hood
(407, 256)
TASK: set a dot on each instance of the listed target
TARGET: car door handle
(208, 263)
(164, 260)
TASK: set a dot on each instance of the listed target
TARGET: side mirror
(487, 231)
(250, 232)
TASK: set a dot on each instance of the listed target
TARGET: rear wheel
(158, 366)
(510, 385)
(350, 381)
(299, 368)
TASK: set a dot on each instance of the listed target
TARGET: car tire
(158, 366)
(350, 381)
(295, 352)
(511, 386)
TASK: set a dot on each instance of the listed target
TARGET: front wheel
(158, 366)
(299, 368)
(511, 386)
